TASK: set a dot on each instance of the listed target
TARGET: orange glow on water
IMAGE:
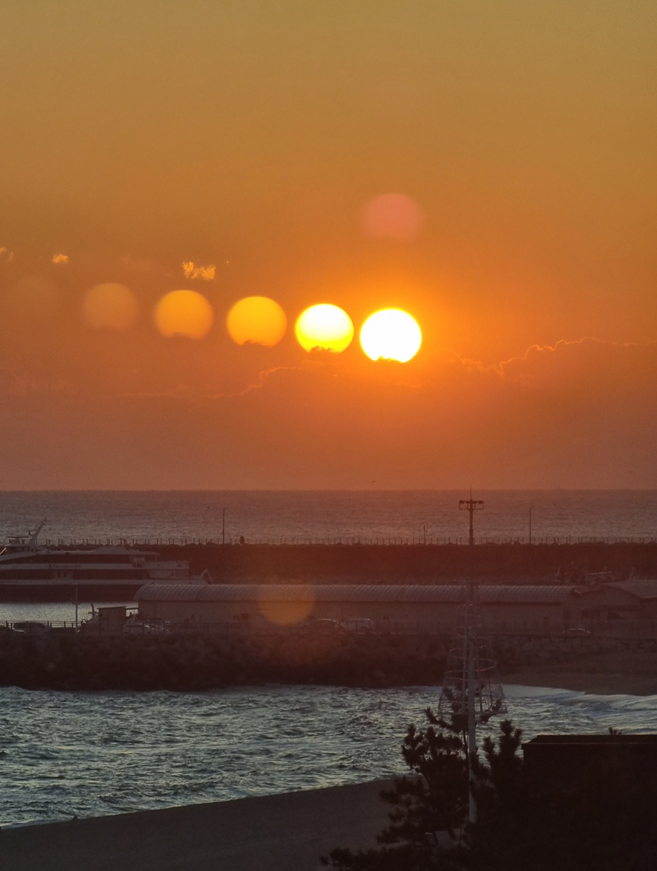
(257, 320)
(391, 334)
(324, 326)
(184, 313)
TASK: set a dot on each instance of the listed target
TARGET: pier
(566, 559)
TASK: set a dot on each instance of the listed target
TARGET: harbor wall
(417, 563)
(202, 662)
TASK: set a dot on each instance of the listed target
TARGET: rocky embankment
(200, 662)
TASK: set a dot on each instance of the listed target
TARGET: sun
(184, 313)
(391, 334)
(256, 320)
(324, 326)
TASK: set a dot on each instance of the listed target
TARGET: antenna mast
(471, 692)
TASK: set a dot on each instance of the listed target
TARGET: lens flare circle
(110, 305)
(392, 216)
(287, 607)
(391, 334)
(256, 320)
(324, 326)
(184, 313)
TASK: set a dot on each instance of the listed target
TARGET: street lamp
(223, 526)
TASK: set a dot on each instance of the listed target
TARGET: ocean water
(298, 516)
(92, 754)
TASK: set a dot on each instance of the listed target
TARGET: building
(513, 608)
(611, 603)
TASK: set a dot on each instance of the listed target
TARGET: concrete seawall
(201, 662)
(416, 563)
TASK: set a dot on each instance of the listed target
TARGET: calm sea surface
(88, 754)
(323, 516)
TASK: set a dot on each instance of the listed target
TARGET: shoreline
(625, 672)
(283, 832)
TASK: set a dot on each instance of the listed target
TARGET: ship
(30, 572)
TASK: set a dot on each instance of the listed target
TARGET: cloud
(191, 270)
(6, 255)
(576, 414)
(59, 259)
(182, 392)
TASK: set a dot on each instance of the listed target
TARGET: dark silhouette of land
(430, 563)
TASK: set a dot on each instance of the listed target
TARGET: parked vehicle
(31, 627)
(358, 624)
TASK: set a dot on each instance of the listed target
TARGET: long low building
(437, 607)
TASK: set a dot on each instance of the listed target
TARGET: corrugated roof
(642, 588)
(402, 593)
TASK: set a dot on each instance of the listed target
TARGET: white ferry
(30, 572)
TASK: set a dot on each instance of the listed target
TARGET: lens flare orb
(256, 320)
(286, 606)
(111, 305)
(326, 327)
(392, 216)
(184, 313)
(391, 334)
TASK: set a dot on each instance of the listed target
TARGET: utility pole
(530, 523)
(471, 692)
(223, 526)
(471, 505)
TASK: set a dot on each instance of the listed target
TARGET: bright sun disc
(324, 326)
(391, 334)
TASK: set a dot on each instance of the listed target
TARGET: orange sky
(250, 136)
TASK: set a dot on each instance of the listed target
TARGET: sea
(85, 754)
(327, 516)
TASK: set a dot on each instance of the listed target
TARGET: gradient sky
(250, 136)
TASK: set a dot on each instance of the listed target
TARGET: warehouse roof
(642, 588)
(403, 593)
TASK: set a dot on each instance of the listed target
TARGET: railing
(621, 629)
(350, 541)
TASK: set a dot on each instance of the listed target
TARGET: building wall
(535, 616)
(604, 604)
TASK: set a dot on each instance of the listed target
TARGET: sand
(274, 833)
(632, 672)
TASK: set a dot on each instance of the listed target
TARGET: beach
(286, 832)
(624, 672)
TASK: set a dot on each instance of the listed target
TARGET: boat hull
(121, 591)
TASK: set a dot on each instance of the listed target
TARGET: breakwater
(202, 662)
(417, 563)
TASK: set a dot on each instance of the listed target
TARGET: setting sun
(326, 327)
(184, 313)
(256, 320)
(391, 334)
